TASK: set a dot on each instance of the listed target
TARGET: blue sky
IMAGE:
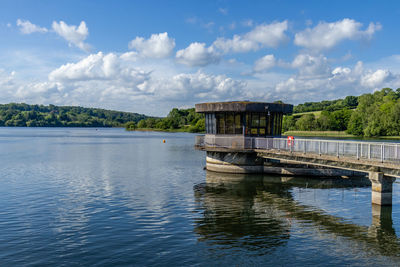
(151, 56)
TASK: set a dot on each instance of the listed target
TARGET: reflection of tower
(231, 219)
(256, 213)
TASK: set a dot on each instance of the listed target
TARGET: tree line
(24, 115)
(375, 114)
(178, 119)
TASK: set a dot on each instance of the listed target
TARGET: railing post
(279, 145)
(305, 146)
(361, 152)
(319, 147)
(358, 156)
(337, 148)
(396, 151)
(382, 153)
(369, 151)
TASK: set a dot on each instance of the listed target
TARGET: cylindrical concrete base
(234, 162)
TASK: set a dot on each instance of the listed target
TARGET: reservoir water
(107, 197)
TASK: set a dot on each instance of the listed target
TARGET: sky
(151, 56)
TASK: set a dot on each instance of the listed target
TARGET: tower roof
(243, 106)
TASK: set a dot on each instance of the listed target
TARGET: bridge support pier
(382, 188)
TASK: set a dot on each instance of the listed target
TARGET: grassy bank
(319, 133)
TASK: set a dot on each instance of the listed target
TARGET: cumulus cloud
(264, 63)
(72, 34)
(327, 35)
(198, 86)
(265, 35)
(26, 27)
(339, 82)
(6, 79)
(197, 54)
(376, 78)
(110, 76)
(100, 66)
(157, 46)
(311, 66)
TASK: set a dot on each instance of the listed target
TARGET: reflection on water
(259, 212)
(230, 217)
(114, 198)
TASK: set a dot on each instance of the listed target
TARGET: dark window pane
(229, 124)
(238, 124)
(262, 121)
(221, 123)
(247, 130)
(255, 120)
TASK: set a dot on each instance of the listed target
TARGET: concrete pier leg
(381, 188)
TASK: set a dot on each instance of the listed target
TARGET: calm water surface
(108, 197)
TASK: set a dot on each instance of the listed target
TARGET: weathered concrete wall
(233, 162)
(237, 162)
(382, 187)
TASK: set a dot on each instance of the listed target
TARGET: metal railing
(383, 152)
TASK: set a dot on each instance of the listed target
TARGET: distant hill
(24, 115)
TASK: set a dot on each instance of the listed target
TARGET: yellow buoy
(163, 140)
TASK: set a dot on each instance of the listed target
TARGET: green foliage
(349, 102)
(63, 116)
(130, 125)
(306, 122)
(377, 114)
(177, 119)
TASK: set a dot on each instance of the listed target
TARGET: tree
(141, 124)
(306, 123)
(130, 126)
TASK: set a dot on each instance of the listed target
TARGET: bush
(130, 126)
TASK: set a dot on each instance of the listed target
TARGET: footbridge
(243, 154)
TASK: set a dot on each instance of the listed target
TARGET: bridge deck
(361, 156)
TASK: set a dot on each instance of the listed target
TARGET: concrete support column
(381, 188)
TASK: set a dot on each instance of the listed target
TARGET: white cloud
(375, 79)
(6, 79)
(196, 54)
(105, 67)
(26, 27)
(264, 63)
(327, 35)
(198, 86)
(265, 35)
(157, 46)
(102, 77)
(311, 66)
(111, 78)
(73, 34)
(339, 82)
